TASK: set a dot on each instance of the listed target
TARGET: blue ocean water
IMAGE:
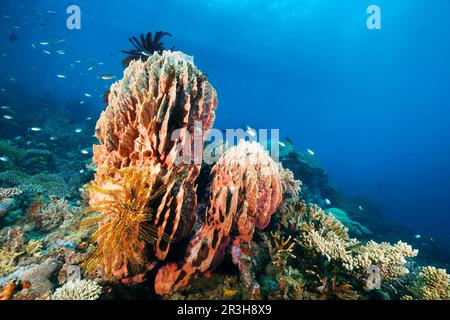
(374, 105)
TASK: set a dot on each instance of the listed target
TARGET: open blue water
(374, 105)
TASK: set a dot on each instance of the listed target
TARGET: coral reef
(431, 284)
(245, 191)
(78, 290)
(7, 200)
(51, 216)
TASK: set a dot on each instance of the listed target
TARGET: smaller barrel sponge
(342, 216)
(78, 290)
(245, 191)
(431, 284)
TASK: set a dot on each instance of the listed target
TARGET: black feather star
(145, 46)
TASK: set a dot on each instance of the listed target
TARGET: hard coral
(431, 284)
(245, 191)
(157, 99)
(78, 290)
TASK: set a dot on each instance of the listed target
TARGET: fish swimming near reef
(107, 77)
(310, 152)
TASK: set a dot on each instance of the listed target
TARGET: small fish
(84, 151)
(44, 43)
(361, 208)
(78, 61)
(88, 118)
(6, 107)
(282, 144)
(61, 52)
(4, 158)
(34, 46)
(61, 76)
(251, 131)
(17, 27)
(8, 117)
(101, 63)
(81, 171)
(418, 236)
(51, 12)
(310, 152)
(91, 68)
(53, 138)
(4, 54)
(36, 129)
(78, 130)
(87, 95)
(327, 201)
(18, 138)
(13, 79)
(46, 51)
(82, 102)
(107, 77)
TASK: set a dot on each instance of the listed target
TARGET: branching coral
(390, 259)
(245, 191)
(431, 284)
(52, 215)
(149, 123)
(78, 290)
(327, 251)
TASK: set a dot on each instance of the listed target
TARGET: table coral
(245, 191)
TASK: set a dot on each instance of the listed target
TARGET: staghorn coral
(148, 122)
(78, 290)
(245, 191)
(430, 284)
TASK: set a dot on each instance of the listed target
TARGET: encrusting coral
(78, 290)
(157, 99)
(431, 284)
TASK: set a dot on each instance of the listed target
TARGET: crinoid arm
(124, 206)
